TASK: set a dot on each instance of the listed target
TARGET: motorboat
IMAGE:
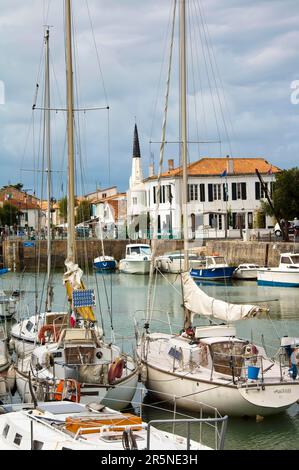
(63, 425)
(211, 268)
(285, 275)
(104, 263)
(173, 262)
(137, 260)
(246, 271)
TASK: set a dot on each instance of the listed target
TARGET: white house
(224, 197)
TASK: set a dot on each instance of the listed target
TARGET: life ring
(295, 357)
(68, 389)
(47, 328)
(116, 369)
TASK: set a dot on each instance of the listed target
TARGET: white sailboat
(76, 357)
(7, 372)
(211, 365)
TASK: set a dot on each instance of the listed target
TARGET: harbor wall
(258, 252)
(19, 255)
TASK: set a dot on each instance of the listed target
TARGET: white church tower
(136, 195)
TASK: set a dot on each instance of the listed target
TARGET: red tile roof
(216, 166)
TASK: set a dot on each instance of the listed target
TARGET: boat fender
(47, 329)
(116, 369)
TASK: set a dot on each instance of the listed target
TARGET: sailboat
(210, 364)
(75, 360)
(104, 262)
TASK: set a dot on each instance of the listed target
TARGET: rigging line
(158, 193)
(107, 299)
(193, 76)
(155, 101)
(97, 51)
(204, 55)
(205, 29)
(219, 75)
(172, 285)
(100, 304)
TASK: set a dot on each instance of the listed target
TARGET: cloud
(254, 43)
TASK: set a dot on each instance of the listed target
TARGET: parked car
(292, 226)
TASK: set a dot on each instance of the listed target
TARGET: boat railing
(211, 421)
(143, 321)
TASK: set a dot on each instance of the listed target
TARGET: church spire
(136, 146)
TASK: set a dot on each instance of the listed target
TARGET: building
(30, 214)
(109, 215)
(224, 197)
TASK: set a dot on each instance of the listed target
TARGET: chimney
(151, 170)
(230, 165)
(170, 164)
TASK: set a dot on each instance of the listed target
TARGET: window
(285, 260)
(239, 191)
(250, 220)
(79, 355)
(29, 326)
(192, 192)
(202, 193)
(135, 201)
(18, 439)
(104, 195)
(169, 193)
(37, 445)
(5, 430)
(216, 192)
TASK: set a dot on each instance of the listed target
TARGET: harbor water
(121, 297)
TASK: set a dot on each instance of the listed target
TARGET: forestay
(199, 303)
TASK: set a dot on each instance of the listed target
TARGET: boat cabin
(138, 250)
(287, 259)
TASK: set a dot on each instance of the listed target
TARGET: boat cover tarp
(199, 303)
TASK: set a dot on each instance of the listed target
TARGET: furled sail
(72, 280)
(199, 303)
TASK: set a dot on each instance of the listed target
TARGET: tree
(18, 186)
(285, 195)
(83, 212)
(9, 214)
(62, 204)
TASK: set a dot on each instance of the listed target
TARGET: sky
(242, 59)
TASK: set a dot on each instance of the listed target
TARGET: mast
(49, 174)
(184, 154)
(70, 136)
(183, 130)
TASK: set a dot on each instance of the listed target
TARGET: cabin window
(5, 430)
(79, 355)
(29, 326)
(37, 445)
(285, 260)
(18, 439)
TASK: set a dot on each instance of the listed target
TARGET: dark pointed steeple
(136, 146)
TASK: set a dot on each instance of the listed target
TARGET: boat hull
(105, 265)
(213, 273)
(245, 275)
(134, 266)
(278, 278)
(194, 394)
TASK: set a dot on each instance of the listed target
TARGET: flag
(224, 173)
(73, 320)
(270, 170)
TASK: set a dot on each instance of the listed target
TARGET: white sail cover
(199, 303)
(73, 275)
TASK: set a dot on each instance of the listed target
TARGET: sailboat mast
(70, 135)
(183, 110)
(49, 174)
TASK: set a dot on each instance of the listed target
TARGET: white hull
(250, 401)
(134, 266)
(245, 274)
(278, 277)
(117, 397)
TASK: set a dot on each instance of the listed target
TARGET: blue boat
(4, 271)
(212, 268)
(105, 263)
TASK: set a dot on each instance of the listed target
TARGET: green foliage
(83, 212)
(62, 204)
(9, 214)
(286, 195)
(18, 186)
